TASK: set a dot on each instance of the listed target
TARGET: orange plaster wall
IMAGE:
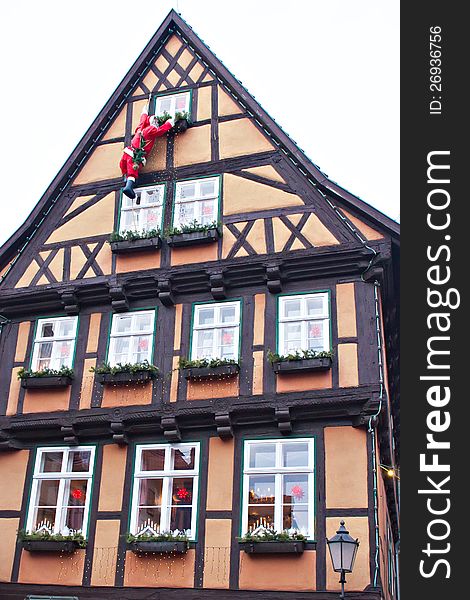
(52, 569)
(93, 332)
(112, 477)
(174, 379)
(217, 553)
(178, 320)
(278, 572)
(196, 254)
(102, 164)
(13, 464)
(346, 310)
(213, 388)
(36, 401)
(137, 262)
(346, 467)
(118, 126)
(14, 392)
(204, 103)
(258, 370)
(88, 380)
(240, 137)
(8, 529)
(22, 341)
(348, 367)
(301, 382)
(220, 474)
(194, 146)
(105, 552)
(258, 328)
(358, 527)
(160, 570)
(126, 395)
(367, 232)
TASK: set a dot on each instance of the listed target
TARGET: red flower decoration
(297, 492)
(315, 330)
(64, 350)
(227, 338)
(143, 344)
(77, 494)
(182, 494)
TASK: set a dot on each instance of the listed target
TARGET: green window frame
(148, 214)
(197, 201)
(138, 337)
(59, 347)
(173, 102)
(217, 328)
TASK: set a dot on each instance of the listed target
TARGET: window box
(123, 378)
(194, 237)
(161, 547)
(47, 382)
(290, 547)
(129, 246)
(306, 364)
(64, 547)
(196, 373)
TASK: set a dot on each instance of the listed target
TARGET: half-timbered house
(262, 309)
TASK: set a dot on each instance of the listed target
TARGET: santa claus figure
(134, 156)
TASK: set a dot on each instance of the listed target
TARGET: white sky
(61, 60)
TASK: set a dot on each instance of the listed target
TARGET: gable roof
(15, 245)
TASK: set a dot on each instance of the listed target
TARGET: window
(54, 343)
(197, 200)
(165, 489)
(131, 338)
(61, 489)
(145, 216)
(278, 485)
(216, 330)
(173, 103)
(304, 323)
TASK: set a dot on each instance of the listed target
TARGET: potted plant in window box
(120, 374)
(43, 541)
(46, 378)
(208, 368)
(172, 542)
(182, 121)
(192, 233)
(135, 241)
(268, 541)
(305, 360)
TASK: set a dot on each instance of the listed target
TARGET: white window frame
(172, 97)
(304, 319)
(63, 476)
(278, 471)
(130, 206)
(167, 475)
(133, 333)
(218, 326)
(197, 199)
(38, 340)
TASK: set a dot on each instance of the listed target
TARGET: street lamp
(343, 550)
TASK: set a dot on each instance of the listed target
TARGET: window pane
(261, 489)
(180, 102)
(292, 308)
(294, 455)
(151, 219)
(205, 316)
(122, 324)
(51, 462)
(62, 353)
(150, 493)
(315, 306)
(207, 212)
(45, 350)
(296, 517)
(262, 455)
(186, 213)
(65, 328)
(149, 517)
(227, 314)
(76, 492)
(119, 350)
(187, 190)
(129, 222)
(164, 105)
(79, 461)
(182, 491)
(180, 518)
(151, 196)
(295, 489)
(143, 348)
(208, 187)
(74, 518)
(260, 516)
(44, 516)
(153, 460)
(204, 343)
(315, 335)
(183, 458)
(47, 330)
(143, 322)
(47, 493)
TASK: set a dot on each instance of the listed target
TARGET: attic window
(145, 216)
(173, 103)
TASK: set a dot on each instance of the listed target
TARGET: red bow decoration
(182, 494)
(143, 344)
(77, 494)
(315, 330)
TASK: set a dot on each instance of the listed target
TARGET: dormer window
(146, 215)
(173, 103)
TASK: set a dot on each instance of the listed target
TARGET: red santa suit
(144, 139)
